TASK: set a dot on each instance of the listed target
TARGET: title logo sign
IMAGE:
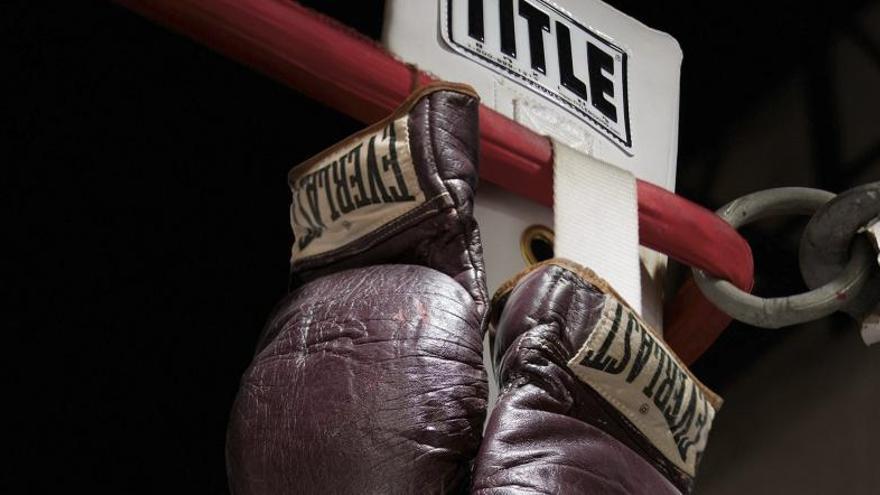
(542, 47)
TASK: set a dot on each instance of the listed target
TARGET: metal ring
(783, 311)
(827, 239)
(532, 234)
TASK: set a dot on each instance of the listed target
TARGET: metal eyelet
(536, 244)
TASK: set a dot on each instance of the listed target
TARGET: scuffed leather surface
(368, 377)
(366, 381)
(445, 137)
(444, 142)
(550, 432)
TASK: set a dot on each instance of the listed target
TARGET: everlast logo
(534, 42)
(624, 355)
(353, 191)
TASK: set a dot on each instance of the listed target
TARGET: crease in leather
(590, 277)
(536, 334)
(409, 405)
(444, 224)
(368, 376)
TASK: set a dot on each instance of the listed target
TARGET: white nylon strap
(596, 219)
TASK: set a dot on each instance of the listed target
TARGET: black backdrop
(150, 240)
(147, 234)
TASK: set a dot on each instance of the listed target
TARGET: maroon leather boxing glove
(368, 377)
(591, 400)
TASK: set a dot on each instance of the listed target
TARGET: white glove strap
(596, 219)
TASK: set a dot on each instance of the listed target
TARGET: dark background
(147, 233)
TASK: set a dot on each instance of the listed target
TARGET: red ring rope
(351, 73)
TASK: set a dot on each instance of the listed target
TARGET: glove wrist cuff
(620, 374)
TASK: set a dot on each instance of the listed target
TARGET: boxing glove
(368, 377)
(591, 400)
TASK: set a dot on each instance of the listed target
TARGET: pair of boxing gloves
(368, 377)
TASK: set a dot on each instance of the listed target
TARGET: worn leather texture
(368, 377)
(549, 431)
(368, 380)
(443, 234)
